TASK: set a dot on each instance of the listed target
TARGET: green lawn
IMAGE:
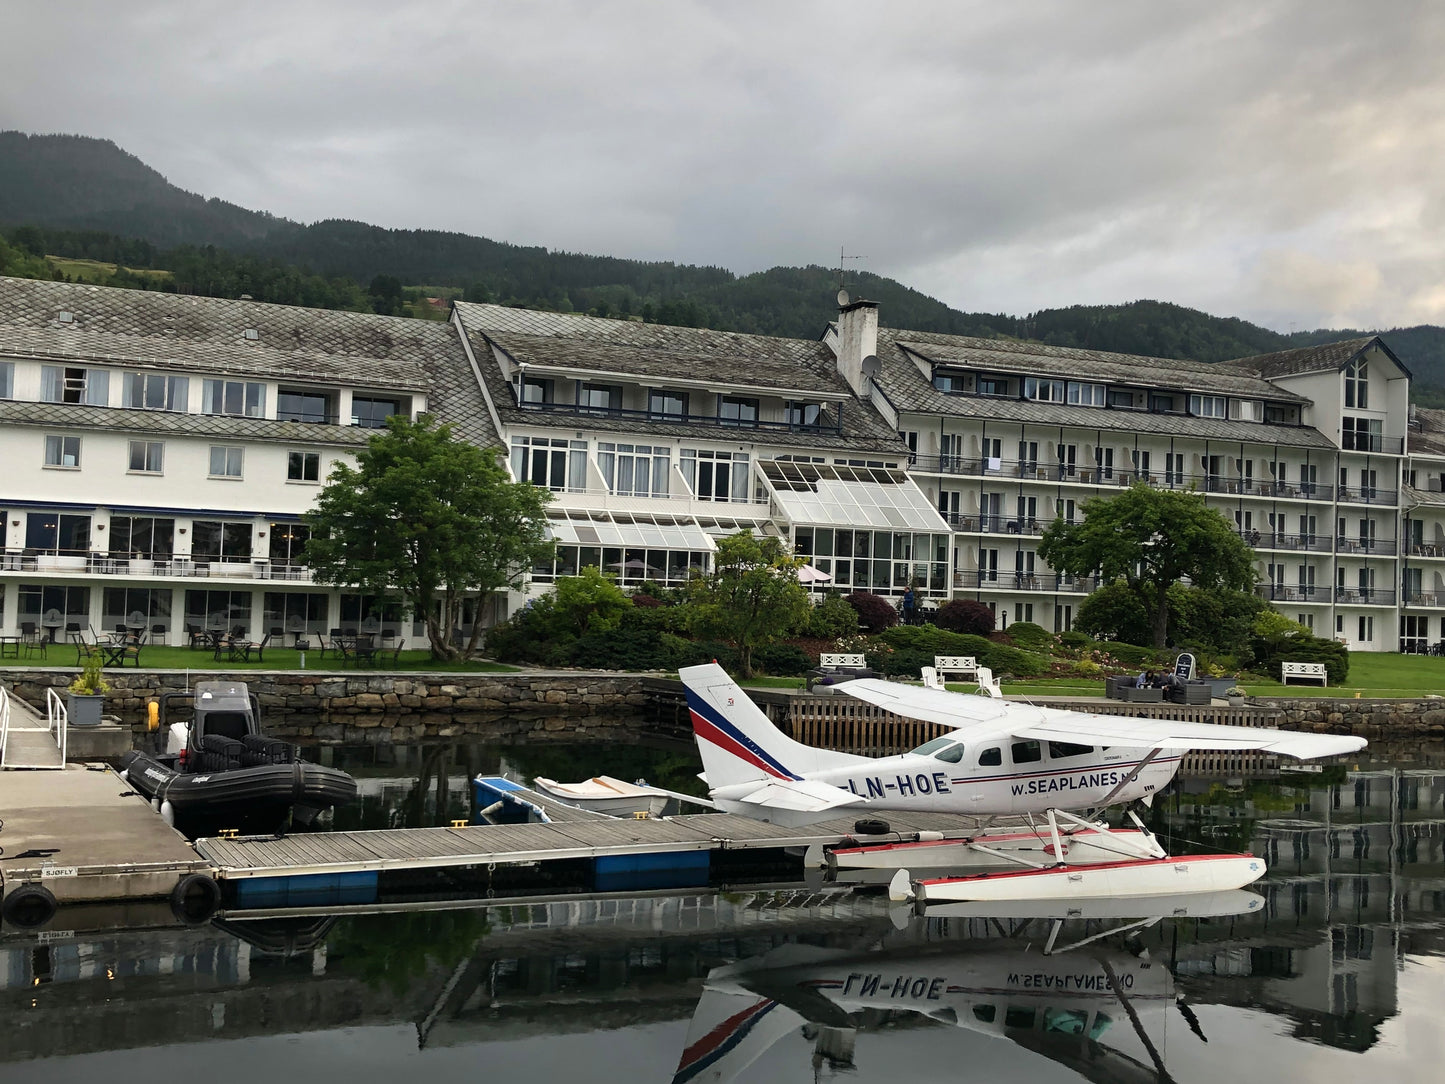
(276, 658)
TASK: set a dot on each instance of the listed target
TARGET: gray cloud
(1274, 159)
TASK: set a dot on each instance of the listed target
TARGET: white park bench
(1304, 671)
(840, 661)
(987, 683)
(965, 666)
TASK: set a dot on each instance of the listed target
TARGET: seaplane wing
(1078, 726)
(958, 710)
(984, 718)
(798, 796)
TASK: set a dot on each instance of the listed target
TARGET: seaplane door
(984, 774)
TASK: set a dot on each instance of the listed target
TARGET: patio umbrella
(809, 574)
(634, 565)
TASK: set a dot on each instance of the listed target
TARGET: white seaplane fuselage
(989, 778)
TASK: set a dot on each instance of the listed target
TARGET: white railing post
(4, 721)
(58, 720)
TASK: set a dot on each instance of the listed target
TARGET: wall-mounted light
(182, 530)
(260, 534)
(100, 526)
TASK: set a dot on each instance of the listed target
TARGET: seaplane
(1037, 766)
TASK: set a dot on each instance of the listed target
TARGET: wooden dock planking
(422, 848)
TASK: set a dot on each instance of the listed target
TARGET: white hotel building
(162, 449)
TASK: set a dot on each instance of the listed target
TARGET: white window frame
(1082, 394)
(624, 466)
(1209, 406)
(1044, 390)
(231, 455)
(152, 457)
(216, 395)
(58, 448)
(312, 459)
(155, 391)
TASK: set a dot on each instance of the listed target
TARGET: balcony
(1435, 599)
(1365, 547)
(644, 417)
(1292, 592)
(1308, 543)
(1425, 549)
(1367, 495)
(1366, 596)
(965, 524)
(1024, 581)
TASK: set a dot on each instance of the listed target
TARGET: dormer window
(1080, 394)
(663, 404)
(155, 391)
(89, 386)
(993, 385)
(1043, 391)
(800, 415)
(1209, 406)
(951, 383)
(735, 410)
(599, 398)
(1246, 410)
(241, 399)
(535, 390)
(1357, 385)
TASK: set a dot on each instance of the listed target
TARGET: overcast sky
(1279, 160)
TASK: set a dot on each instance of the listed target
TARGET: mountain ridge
(78, 196)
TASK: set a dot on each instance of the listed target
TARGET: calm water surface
(1334, 972)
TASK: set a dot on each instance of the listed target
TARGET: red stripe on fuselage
(709, 732)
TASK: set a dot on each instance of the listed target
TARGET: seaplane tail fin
(738, 743)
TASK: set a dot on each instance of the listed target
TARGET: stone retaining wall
(1375, 720)
(373, 708)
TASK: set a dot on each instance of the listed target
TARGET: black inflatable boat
(220, 772)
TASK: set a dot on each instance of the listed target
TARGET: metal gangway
(26, 740)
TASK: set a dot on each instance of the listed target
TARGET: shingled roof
(145, 329)
(567, 342)
(910, 391)
(1313, 359)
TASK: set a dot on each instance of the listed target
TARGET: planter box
(84, 710)
(142, 566)
(1218, 686)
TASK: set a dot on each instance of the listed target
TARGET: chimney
(857, 339)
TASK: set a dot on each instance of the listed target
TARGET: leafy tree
(751, 599)
(432, 518)
(1151, 538)
(591, 601)
(832, 618)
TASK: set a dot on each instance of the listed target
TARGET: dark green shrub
(875, 613)
(783, 660)
(906, 662)
(1002, 659)
(1115, 612)
(918, 644)
(1030, 637)
(1075, 640)
(697, 652)
(1335, 656)
(623, 649)
(831, 618)
(965, 615)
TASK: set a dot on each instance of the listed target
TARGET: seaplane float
(1071, 999)
(1050, 772)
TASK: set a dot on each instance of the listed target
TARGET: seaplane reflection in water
(997, 759)
(1066, 1002)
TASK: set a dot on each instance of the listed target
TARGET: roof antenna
(843, 298)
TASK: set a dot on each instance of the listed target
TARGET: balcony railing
(1024, 581)
(99, 564)
(1366, 596)
(966, 524)
(1365, 547)
(1425, 549)
(833, 428)
(1292, 592)
(1424, 598)
(1270, 540)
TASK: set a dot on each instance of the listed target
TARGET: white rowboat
(1140, 877)
(604, 794)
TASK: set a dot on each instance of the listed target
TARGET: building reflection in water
(1356, 885)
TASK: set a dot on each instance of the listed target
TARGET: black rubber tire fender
(872, 827)
(195, 898)
(29, 907)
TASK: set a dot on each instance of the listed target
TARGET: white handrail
(4, 721)
(58, 720)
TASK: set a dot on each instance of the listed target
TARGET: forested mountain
(86, 199)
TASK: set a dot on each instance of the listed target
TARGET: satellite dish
(872, 366)
(843, 299)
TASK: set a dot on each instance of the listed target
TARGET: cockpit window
(990, 758)
(928, 748)
(953, 754)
